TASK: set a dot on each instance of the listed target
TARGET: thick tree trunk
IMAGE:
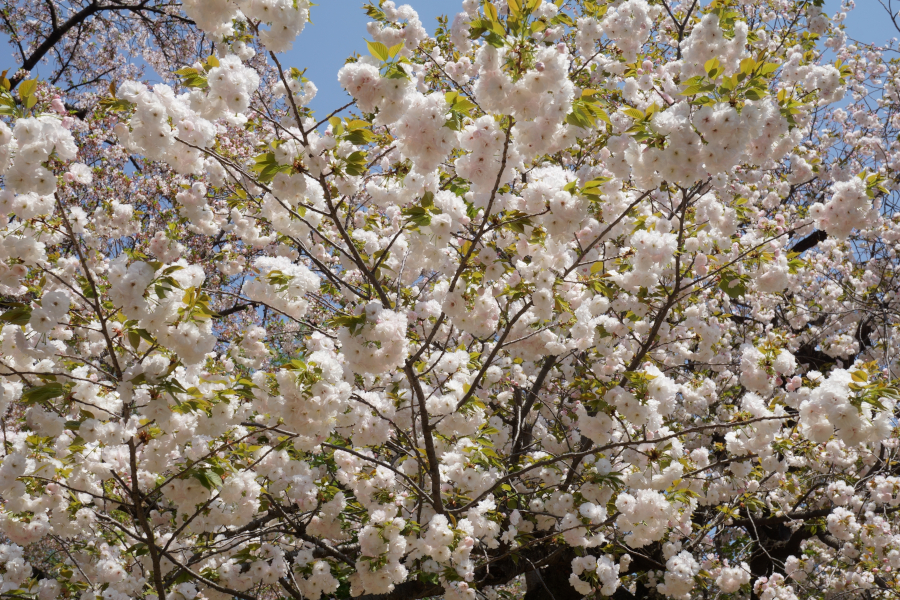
(550, 583)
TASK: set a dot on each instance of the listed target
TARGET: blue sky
(339, 29)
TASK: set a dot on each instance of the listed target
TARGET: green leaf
(418, 215)
(195, 81)
(595, 183)
(875, 402)
(27, 88)
(214, 478)
(578, 119)
(353, 323)
(358, 137)
(490, 11)
(378, 50)
(43, 393)
(374, 12)
(356, 163)
(203, 479)
(19, 315)
(733, 285)
(463, 105)
(115, 105)
(494, 40)
(295, 365)
(455, 121)
(395, 50)
(634, 113)
(755, 94)
(134, 338)
(267, 167)
(394, 71)
(146, 336)
(698, 88)
(208, 478)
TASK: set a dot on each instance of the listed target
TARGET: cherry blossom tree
(571, 299)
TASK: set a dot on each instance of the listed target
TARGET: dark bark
(547, 557)
(54, 38)
(553, 584)
(79, 112)
(60, 30)
(408, 590)
(774, 544)
(810, 241)
(235, 309)
(807, 354)
(522, 431)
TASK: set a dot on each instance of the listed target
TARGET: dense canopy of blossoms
(573, 298)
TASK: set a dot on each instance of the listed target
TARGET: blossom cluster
(593, 298)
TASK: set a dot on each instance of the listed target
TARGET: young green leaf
(378, 50)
